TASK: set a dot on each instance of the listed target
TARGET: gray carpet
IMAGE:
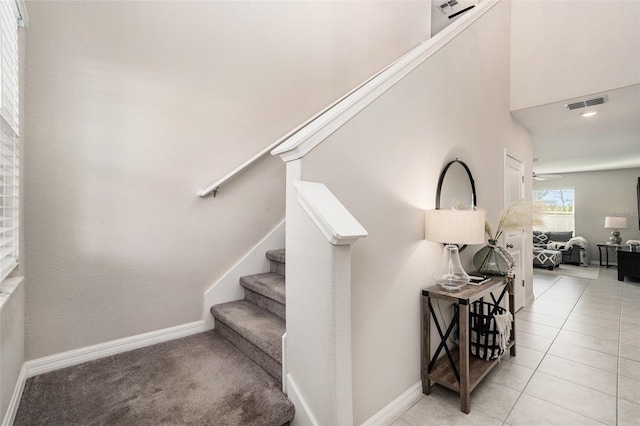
(197, 380)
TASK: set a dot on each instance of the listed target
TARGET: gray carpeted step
(266, 290)
(261, 328)
(277, 261)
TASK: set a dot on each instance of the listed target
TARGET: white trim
(228, 288)
(299, 144)
(529, 300)
(90, 353)
(14, 403)
(303, 416)
(284, 362)
(393, 410)
(332, 218)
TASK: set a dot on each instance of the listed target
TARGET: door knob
(509, 245)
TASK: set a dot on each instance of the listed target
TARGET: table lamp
(453, 227)
(615, 223)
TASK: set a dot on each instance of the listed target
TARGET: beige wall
(597, 195)
(554, 44)
(134, 106)
(384, 165)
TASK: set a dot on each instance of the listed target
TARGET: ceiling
(564, 141)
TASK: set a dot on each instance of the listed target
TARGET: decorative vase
(493, 260)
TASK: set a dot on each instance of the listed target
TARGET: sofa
(573, 250)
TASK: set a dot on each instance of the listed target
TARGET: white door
(514, 240)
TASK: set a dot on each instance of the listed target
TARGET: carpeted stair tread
(196, 380)
(261, 328)
(276, 255)
(269, 285)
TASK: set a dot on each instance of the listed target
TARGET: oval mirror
(456, 188)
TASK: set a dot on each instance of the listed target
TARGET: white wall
(384, 165)
(554, 43)
(134, 106)
(597, 195)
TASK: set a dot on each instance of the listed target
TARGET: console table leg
(426, 346)
(463, 328)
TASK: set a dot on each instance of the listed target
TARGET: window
(559, 211)
(9, 138)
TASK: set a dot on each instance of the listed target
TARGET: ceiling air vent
(587, 103)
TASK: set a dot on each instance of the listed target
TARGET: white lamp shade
(615, 222)
(455, 226)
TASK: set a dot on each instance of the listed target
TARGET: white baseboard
(528, 301)
(391, 412)
(228, 288)
(14, 403)
(304, 416)
(90, 353)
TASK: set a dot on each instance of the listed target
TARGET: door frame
(520, 281)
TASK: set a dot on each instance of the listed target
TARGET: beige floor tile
(442, 407)
(580, 399)
(628, 413)
(510, 374)
(585, 356)
(629, 389)
(600, 322)
(589, 342)
(531, 341)
(549, 310)
(581, 374)
(542, 319)
(558, 298)
(400, 422)
(530, 411)
(629, 368)
(526, 357)
(599, 306)
(601, 300)
(562, 306)
(566, 292)
(595, 312)
(630, 337)
(591, 330)
(630, 352)
(537, 329)
(494, 399)
(603, 293)
(628, 319)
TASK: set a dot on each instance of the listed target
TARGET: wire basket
(485, 340)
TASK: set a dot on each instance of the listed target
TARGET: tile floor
(577, 363)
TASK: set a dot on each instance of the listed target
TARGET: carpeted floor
(590, 272)
(196, 380)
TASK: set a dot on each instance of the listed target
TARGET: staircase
(255, 325)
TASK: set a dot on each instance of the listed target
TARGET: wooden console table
(628, 263)
(457, 370)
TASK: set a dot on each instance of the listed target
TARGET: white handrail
(213, 188)
(312, 135)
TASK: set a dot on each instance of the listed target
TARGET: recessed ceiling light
(589, 114)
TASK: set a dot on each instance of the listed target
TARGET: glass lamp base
(452, 286)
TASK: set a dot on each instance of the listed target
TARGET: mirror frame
(474, 200)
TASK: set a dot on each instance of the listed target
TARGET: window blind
(9, 138)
